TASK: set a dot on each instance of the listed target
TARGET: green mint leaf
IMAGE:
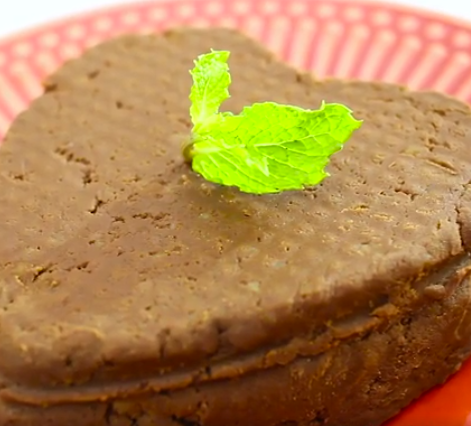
(211, 81)
(268, 147)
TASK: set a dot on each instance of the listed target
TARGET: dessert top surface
(112, 249)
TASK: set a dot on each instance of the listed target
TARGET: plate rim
(35, 30)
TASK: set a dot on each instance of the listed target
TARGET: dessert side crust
(361, 381)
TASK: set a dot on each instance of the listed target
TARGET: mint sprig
(268, 147)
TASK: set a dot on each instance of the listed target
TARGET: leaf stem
(188, 150)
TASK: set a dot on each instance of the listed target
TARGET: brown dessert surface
(123, 272)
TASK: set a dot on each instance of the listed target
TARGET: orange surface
(448, 405)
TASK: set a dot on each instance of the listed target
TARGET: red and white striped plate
(330, 37)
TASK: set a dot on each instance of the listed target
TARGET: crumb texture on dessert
(122, 272)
